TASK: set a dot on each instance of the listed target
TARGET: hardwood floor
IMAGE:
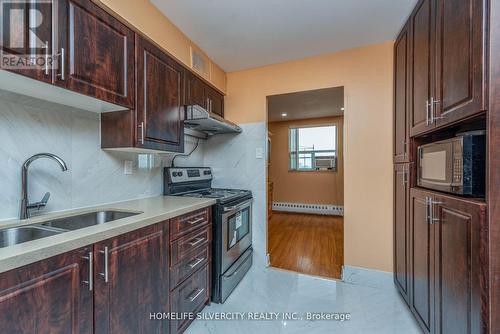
(309, 244)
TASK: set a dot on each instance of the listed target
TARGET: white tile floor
(373, 310)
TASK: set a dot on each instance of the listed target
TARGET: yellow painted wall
(367, 76)
(148, 19)
(315, 187)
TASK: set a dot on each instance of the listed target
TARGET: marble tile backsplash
(235, 165)
(28, 126)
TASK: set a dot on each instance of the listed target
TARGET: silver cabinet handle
(196, 262)
(62, 75)
(198, 241)
(432, 203)
(46, 57)
(105, 274)
(405, 176)
(90, 282)
(433, 110)
(208, 104)
(141, 127)
(427, 117)
(196, 221)
(427, 210)
(196, 293)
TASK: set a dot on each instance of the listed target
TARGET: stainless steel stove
(232, 225)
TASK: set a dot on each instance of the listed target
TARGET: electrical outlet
(128, 167)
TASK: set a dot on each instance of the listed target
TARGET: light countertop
(152, 210)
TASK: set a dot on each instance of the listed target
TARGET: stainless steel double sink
(17, 235)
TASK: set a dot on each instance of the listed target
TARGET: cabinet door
(196, 91)
(401, 96)
(50, 296)
(401, 229)
(216, 101)
(422, 260)
(160, 105)
(131, 281)
(96, 53)
(29, 33)
(460, 59)
(458, 223)
(421, 71)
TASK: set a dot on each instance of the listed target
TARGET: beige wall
(367, 76)
(315, 187)
(145, 17)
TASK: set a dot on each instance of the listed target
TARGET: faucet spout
(25, 205)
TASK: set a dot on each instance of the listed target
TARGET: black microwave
(456, 165)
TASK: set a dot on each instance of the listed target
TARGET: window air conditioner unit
(326, 163)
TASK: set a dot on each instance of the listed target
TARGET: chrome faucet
(25, 205)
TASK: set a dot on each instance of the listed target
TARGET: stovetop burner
(197, 182)
(216, 193)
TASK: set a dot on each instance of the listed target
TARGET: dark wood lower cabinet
(50, 296)
(401, 229)
(445, 276)
(116, 286)
(131, 281)
(422, 260)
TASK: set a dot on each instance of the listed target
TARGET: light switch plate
(259, 153)
(128, 167)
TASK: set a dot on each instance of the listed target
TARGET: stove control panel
(179, 175)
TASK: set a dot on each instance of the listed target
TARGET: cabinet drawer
(180, 226)
(181, 248)
(188, 265)
(190, 296)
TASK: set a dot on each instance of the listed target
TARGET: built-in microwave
(456, 165)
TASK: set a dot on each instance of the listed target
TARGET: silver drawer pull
(90, 282)
(198, 241)
(196, 262)
(196, 221)
(196, 293)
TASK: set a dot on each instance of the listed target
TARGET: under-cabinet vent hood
(200, 119)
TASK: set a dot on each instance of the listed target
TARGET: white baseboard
(368, 277)
(318, 209)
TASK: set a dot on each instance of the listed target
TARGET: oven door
(236, 232)
(436, 164)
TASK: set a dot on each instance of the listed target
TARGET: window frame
(297, 152)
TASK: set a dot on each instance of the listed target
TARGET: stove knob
(180, 173)
(174, 174)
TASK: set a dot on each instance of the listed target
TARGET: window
(313, 148)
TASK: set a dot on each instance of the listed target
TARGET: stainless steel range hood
(200, 119)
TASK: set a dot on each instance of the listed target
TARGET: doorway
(305, 174)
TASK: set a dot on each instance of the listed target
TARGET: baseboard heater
(317, 209)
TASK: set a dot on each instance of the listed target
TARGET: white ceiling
(308, 104)
(241, 34)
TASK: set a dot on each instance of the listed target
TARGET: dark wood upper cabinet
(200, 93)
(458, 225)
(50, 296)
(459, 60)
(196, 91)
(160, 99)
(421, 25)
(401, 229)
(23, 37)
(401, 96)
(422, 260)
(215, 101)
(95, 53)
(131, 281)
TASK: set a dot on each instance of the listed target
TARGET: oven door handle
(236, 207)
